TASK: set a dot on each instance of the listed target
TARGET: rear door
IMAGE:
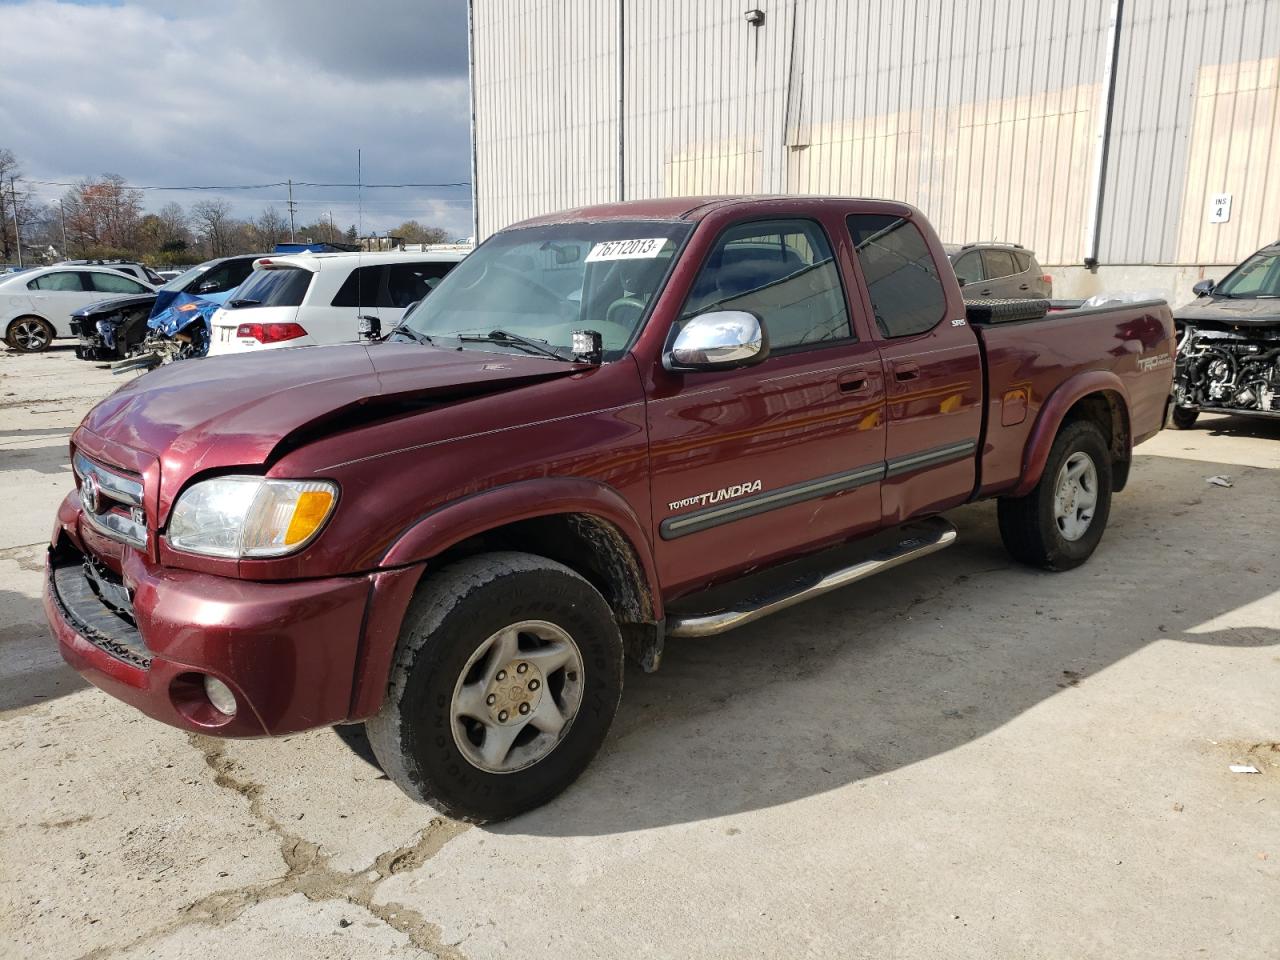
(752, 464)
(55, 296)
(107, 284)
(363, 292)
(1002, 275)
(932, 366)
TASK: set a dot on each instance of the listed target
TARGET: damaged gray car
(1229, 344)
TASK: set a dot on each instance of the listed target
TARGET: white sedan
(36, 305)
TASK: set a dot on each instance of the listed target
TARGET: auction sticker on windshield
(627, 249)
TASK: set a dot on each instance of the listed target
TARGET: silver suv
(1005, 271)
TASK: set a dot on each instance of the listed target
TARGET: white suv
(301, 299)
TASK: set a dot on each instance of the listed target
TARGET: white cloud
(243, 93)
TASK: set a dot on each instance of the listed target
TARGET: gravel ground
(964, 758)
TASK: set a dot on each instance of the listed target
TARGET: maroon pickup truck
(605, 428)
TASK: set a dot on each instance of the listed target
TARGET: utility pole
(62, 212)
(292, 205)
(17, 231)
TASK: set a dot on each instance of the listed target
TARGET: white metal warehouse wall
(987, 115)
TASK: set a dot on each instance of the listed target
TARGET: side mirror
(962, 280)
(368, 328)
(1203, 288)
(719, 340)
(209, 286)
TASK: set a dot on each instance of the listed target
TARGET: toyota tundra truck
(608, 428)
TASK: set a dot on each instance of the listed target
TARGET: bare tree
(14, 199)
(211, 220)
(103, 215)
(269, 229)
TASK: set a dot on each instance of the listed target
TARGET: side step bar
(916, 540)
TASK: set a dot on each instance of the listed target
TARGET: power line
(265, 186)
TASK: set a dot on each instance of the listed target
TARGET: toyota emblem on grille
(90, 493)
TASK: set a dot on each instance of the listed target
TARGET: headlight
(250, 516)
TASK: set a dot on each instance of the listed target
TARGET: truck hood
(237, 410)
(1250, 313)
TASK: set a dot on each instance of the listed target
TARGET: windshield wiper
(410, 332)
(242, 301)
(503, 336)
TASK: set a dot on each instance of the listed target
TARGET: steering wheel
(623, 303)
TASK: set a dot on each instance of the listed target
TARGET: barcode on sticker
(644, 249)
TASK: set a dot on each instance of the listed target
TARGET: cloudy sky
(245, 92)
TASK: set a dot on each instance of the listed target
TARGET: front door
(752, 464)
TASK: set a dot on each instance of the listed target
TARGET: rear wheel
(29, 334)
(506, 679)
(1184, 418)
(1058, 525)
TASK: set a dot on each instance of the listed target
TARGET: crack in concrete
(308, 872)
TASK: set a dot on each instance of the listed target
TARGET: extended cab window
(907, 297)
(783, 272)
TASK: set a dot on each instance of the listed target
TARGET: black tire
(1029, 526)
(29, 334)
(1184, 418)
(453, 615)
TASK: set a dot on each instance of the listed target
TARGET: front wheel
(1058, 525)
(29, 335)
(507, 676)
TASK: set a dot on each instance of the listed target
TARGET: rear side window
(409, 282)
(907, 296)
(393, 285)
(278, 287)
(63, 281)
(112, 283)
(783, 272)
(998, 263)
(1022, 261)
(362, 288)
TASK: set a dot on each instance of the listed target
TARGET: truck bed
(1127, 349)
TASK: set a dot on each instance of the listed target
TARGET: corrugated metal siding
(1196, 114)
(986, 115)
(546, 106)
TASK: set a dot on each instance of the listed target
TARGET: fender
(524, 500)
(1049, 420)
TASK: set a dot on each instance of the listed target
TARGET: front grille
(112, 502)
(98, 617)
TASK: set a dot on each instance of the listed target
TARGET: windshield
(546, 282)
(1259, 276)
(273, 287)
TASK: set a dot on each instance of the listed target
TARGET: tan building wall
(987, 115)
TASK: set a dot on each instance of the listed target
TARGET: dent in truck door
(932, 368)
(751, 464)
